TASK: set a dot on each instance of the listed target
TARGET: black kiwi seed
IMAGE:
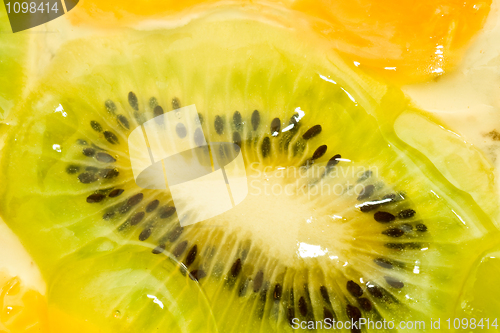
(403, 246)
(199, 139)
(224, 152)
(306, 290)
(236, 268)
(153, 102)
(275, 127)
(308, 162)
(294, 120)
(87, 178)
(278, 290)
(115, 193)
(368, 206)
(391, 196)
(92, 170)
(199, 121)
(166, 212)
(104, 157)
(219, 125)
(257, 281)
(152, 206)
(176, 104)
(237, 138)
(266, 147)
(413, 246)
(327, 314)
(406, 214)
(324, 294)
(365, 304)
(111, 137)
(353, 312)
(366, 192)
(144, 235)
(288, 136)
(159, 249)
(179, 249)
(406, 227)
(243, 288)
(261, 306)
(181, 130)
(255, 120)
(290, 315)
(395, 246)
(123, 121)
(393, 232)
(96, 197)
(384, 217)
(108, 215)
(237, 120)
(134, 200)
(110, 106)
(174, 235)
(384, 263)
(244, 254)
(89, 152)
(299, 147)
(367, 174)
(421, 227)
(333, 161)
(312, 132)
(136, 218)
(264, 291)
(158, 111)
(96, 126)
(302, 307)
(191, 256)
(319, 152)
(375, 291)
(124, 226)
(197, 274)
(393, 282)
(72, 169)
(354, 289)
(109, 173)
(132, 100)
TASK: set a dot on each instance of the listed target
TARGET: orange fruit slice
(404, 41)
(22, 310)
(25, 310)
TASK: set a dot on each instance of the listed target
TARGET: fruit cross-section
(170, 152)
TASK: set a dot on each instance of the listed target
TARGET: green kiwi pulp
(342, 219)
(13, 52)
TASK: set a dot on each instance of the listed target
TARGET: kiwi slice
(343, 220)
(13, 52)
(479, 294)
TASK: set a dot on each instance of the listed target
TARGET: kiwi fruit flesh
(343, 220)
(13, 52)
